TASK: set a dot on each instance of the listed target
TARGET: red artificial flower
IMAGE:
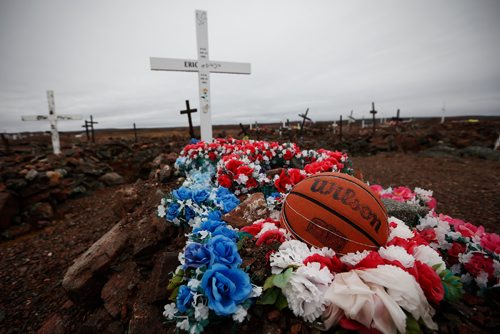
(491, 242)
(271, 236)
(372, 260)
(272, 221)
(282, 181)
(322, 260)
(244, 169)
(429, 234)
(251, 183)
(224, 181)
(478, 263)
(403, 192)
(338, 266)
(456, 249)
(212, 156)
(467, 230)
(408, 244)
(233, 164)
(253, 229)
(429, 281)
(295, 175)
(288, 155)
(432, 203)
(353, 325)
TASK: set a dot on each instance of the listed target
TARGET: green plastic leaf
(281, 302)
(282, 279)
(268, 283)
(173, 295)
(412, 326)
(269, 297)
(452, 285)
(176, 280)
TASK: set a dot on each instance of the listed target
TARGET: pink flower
(377, 188)
(403, 192)
(491, 242)
(468, 230)
(432, 203)
(429, 234)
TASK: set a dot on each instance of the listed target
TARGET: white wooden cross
(52, 118)
(204, 66)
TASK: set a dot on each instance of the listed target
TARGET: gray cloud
(329, 56)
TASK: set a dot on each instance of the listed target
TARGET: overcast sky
(329, 56)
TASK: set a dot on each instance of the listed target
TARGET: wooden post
(373, 112)
(243, 130)
(86, 126)
(135, 133)
(304, 117)
(91, 123)
(204, 66)
(188, 111)
(340, 129)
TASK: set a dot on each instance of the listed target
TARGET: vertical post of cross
(91, 123)
(340, 128)
(86, 126)
(188, 111)
(135, 134)
(373, 112)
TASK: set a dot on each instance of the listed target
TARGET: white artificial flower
(203, 234)
(256, 291)
(482, 280)
(429, 256)
(201, 312)
(398, 253)
(325, 251)
(456, 268)
(354, 258)
(242, 179)
(266, 227)
(424, 194)
(181, 257)
(466, 279)
(496, 267)
(161, 210)
(429, 221)
(183, 325)
(465, 257)
(291, 252)
(240, 314)
(169, 311)
(193, 284)
(401, 230)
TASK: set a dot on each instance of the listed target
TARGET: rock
(128, 200)
(112, 179)
(164, 174)
(9, 207)
(115, 292)
(31, 175)
(81, 281)
(409, 213)
(53, 325)
(96, 322)
(145, 318)
(481, 153)
(42, 211)
(147, 233)
(16, 230)
(164, 265)
(250, 210)
(440, 150)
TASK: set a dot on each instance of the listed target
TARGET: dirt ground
(32, 267)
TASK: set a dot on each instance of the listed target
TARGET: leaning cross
(373, 112)
(188, 111)
(204, 67)
(53, 118)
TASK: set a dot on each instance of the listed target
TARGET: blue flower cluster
(196, 200)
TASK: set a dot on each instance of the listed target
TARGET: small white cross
(52, 118)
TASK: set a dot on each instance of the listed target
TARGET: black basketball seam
(379, 202)
(338, 215)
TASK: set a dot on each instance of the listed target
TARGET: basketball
(335, 210)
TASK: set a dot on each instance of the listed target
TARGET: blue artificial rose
(172, 211)
(184, 298)
(228, 233)
(182, 193)
(209, 225)
(197, 255)
(188, 213)
(225, 288)
(201, 195)
(228, 202)
(222, 191)
(215, 215)
(224, 251)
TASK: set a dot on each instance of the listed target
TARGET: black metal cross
(135, 133)
(397, 119)
(188, 111)
(304, 118)
(86, 126)
(243, 130)
(91, 124)
(373, 112)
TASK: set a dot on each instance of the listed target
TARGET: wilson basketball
(335, 210)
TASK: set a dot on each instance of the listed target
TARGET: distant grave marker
(350, 120)
(189, 111)
(363, 122)
(204, 67)
(243, 130)
(135, 134)
(304, 118)
(53, 118)
(91, 125)
(397, 119)
(373, 112)
(442, 115)
(340, 129)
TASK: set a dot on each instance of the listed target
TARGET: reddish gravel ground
(32, 267)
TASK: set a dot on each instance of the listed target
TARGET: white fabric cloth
(376, 298)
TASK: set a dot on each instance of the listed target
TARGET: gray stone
(441, 150)
(112, 179)
(409, 213)
(31, 175)
(481, 153)
(81, 281)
